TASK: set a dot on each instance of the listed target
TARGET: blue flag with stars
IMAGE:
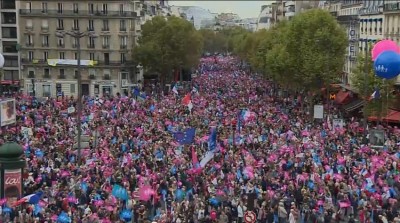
(185, 137)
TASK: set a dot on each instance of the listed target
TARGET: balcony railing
(96, 63)
(40, 12)
(391, 7)
(91, 46)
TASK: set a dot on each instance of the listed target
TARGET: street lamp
(78, 35)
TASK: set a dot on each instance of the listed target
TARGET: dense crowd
(254, 150)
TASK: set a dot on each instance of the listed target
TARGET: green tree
(366, 82)
(315, 45)
(168, 44)
(213, 42)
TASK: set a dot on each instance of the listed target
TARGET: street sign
(249, 217)
(332, 96)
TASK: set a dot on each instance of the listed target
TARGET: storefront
(104, 88)
(8, 87)
(39, 88)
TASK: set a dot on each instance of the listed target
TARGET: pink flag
(195, 160)
(145, 193)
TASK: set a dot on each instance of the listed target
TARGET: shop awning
(10, 82)
(356, 104)
(341, 97)
(392, 116)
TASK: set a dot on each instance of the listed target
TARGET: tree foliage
(168, 44)
(213, 42)
(223, 40)
(305, 52)
(366, 82)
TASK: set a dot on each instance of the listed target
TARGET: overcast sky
(245, 9)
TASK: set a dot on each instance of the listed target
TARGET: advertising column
(12, 185)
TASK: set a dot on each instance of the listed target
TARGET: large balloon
(382, 46)
(387, 65)
(1, 60)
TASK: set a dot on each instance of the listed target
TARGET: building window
(45, 40)
(60, 8)
(106, 41)
(123, 41)
(91, 56)
(46, 73)
(105, 25)
(60, 41)
(46, 90)
(9, 18)
(76, 24)
(28, 5)
(75, 56)
(75, 42)
(62, 55)
(29, 88)
(106, 58)
(104, 9)
(45, 55)
(44, 7)
(45, 24)
(122, 25)
(9, 32)
(8, 4)
(91, 8)
(30, 55)
(92, 42)
(91, 25)
(75, 7)
(60, 24)
(29, 40)
(123, 58)
(11, 75)
(10, 47)
(121, 9)
(72, 88)
(29, 24)
(11, 61)
(62, 73)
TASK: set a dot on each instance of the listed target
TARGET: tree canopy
(305, 52)
(366, 82)
(167, 44)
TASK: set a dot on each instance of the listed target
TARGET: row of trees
(305, 53)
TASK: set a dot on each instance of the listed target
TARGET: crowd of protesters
(228, 147)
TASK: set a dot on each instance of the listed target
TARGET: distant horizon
(244, 9)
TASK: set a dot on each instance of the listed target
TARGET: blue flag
(212, 140)
(185, 137)
(136, 92)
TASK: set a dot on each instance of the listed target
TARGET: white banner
(337, 123)
(7, 110)
(55, 62)
(318, 111)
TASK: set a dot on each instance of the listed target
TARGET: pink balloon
(384, 45)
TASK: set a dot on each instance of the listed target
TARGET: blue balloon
(126, 215)
(63, 218)
(214, 201)
(179, 195)
(387, 65)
